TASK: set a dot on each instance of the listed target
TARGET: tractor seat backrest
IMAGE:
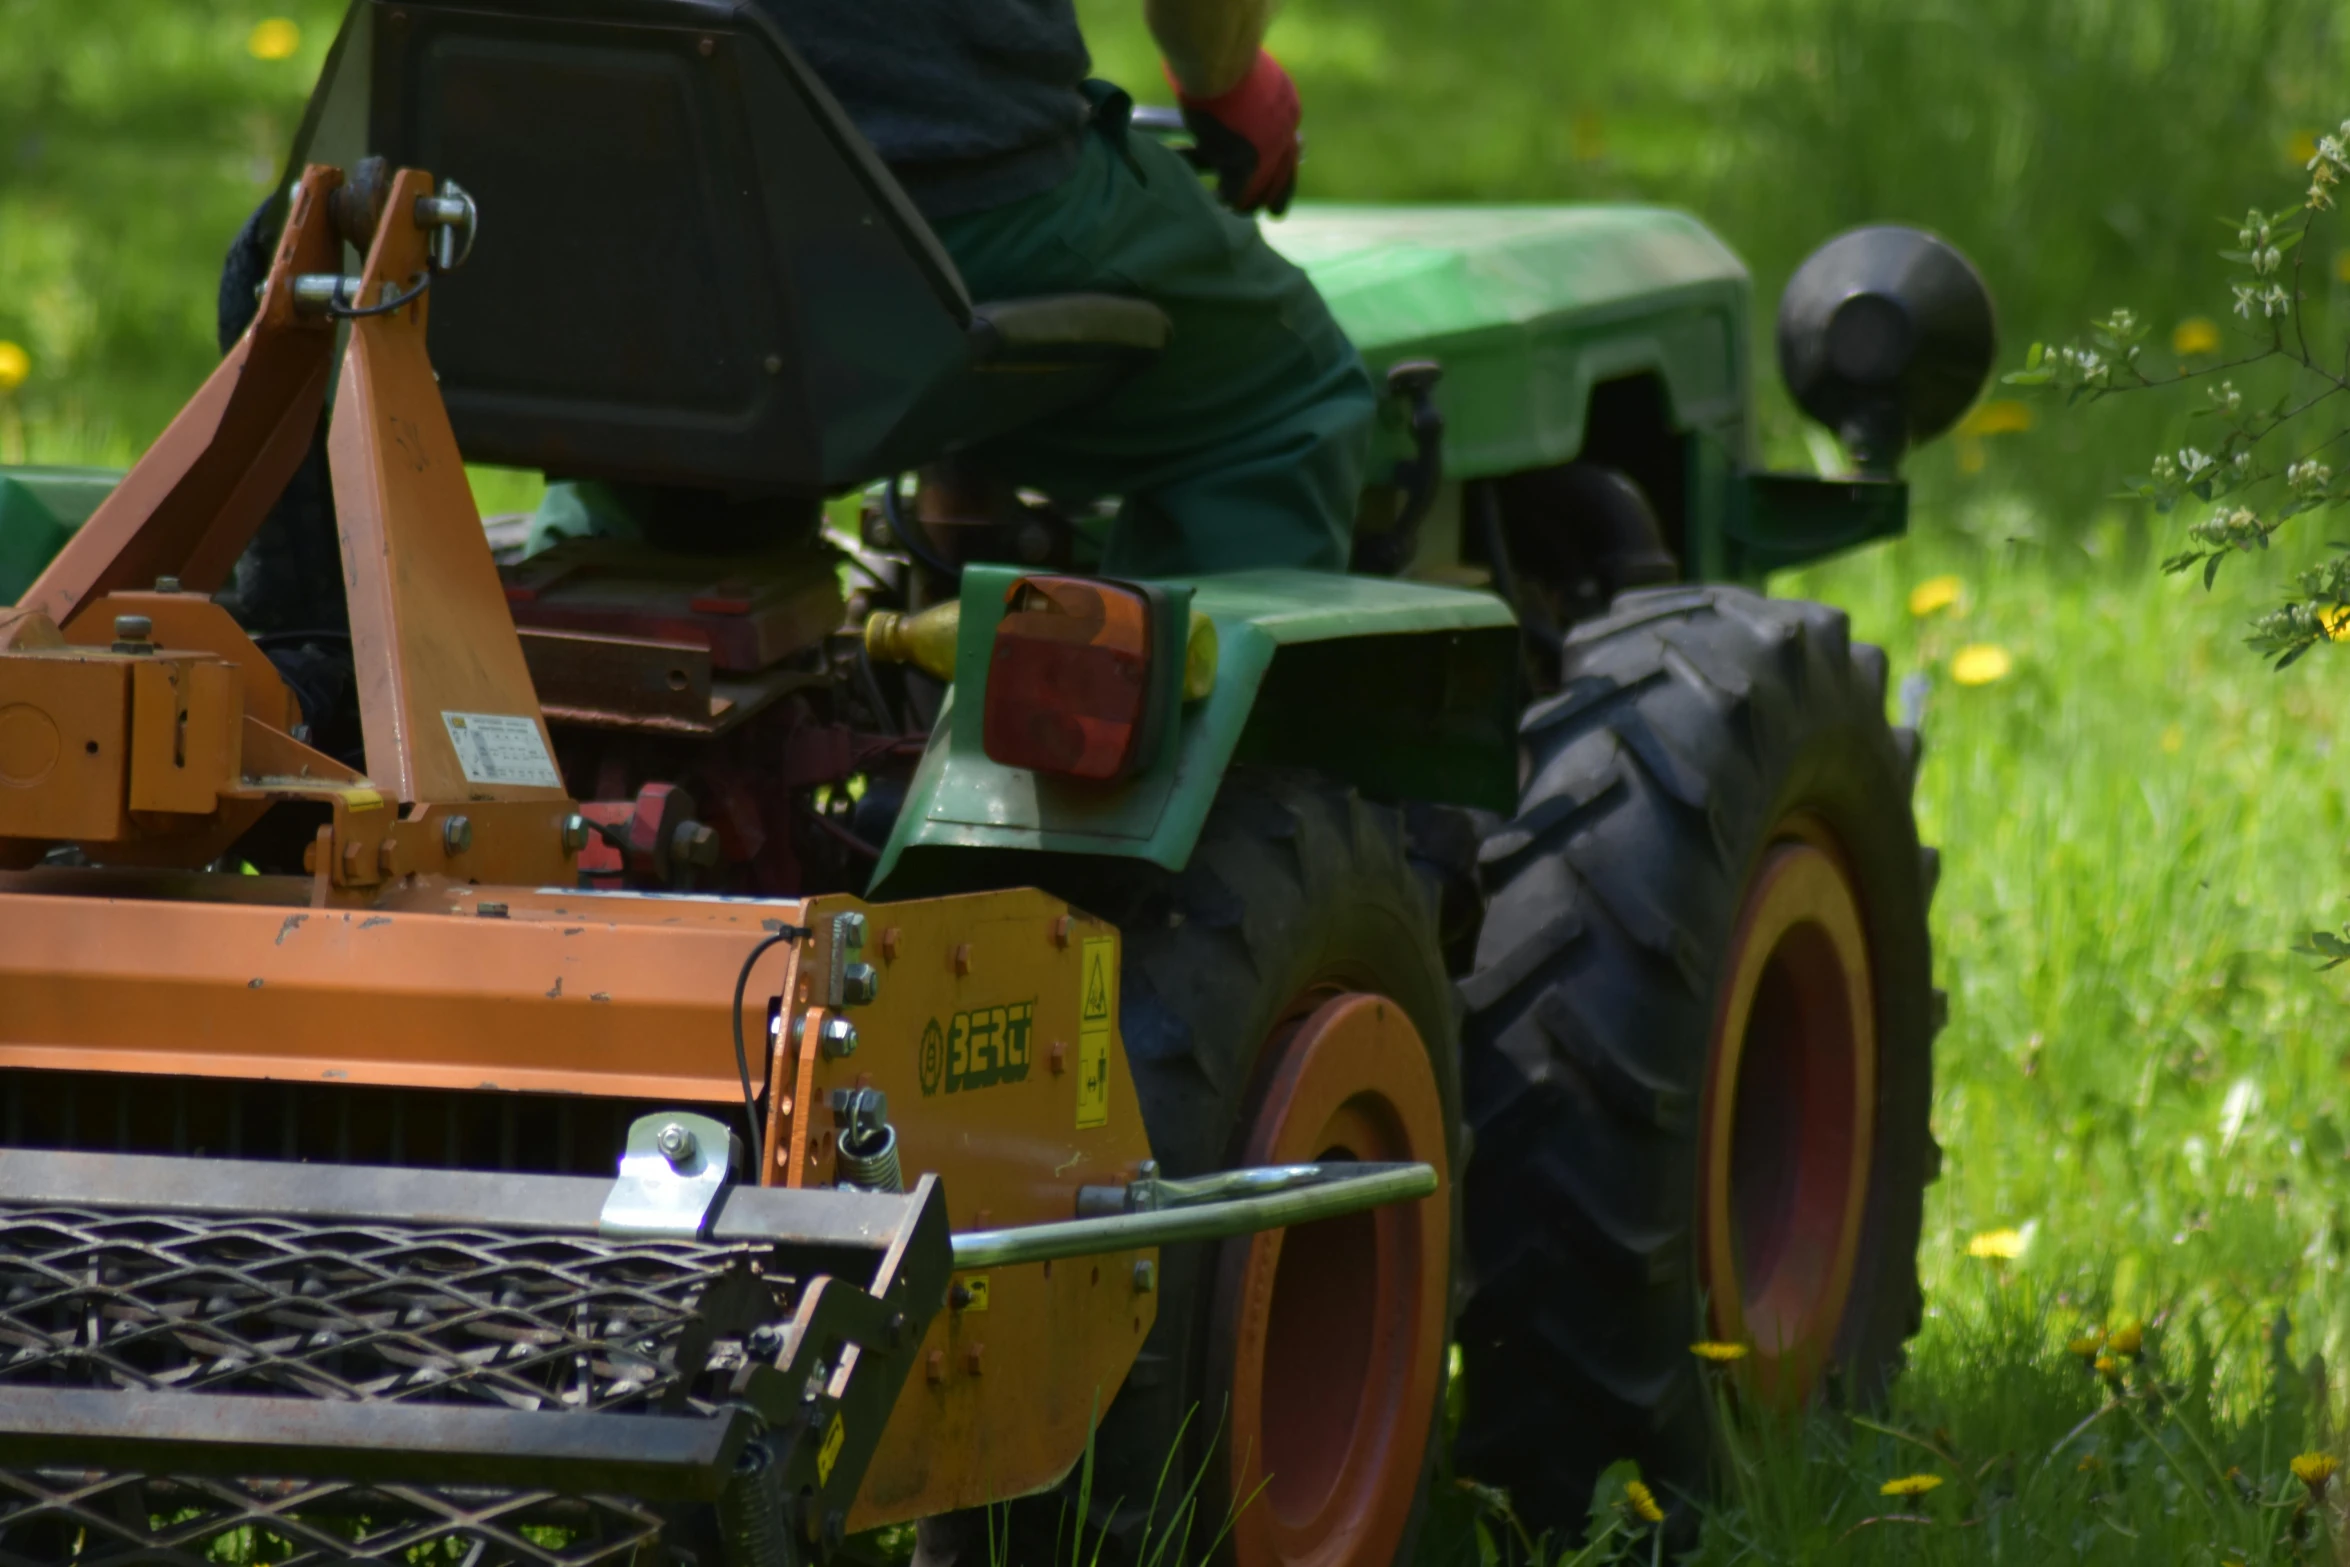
(691, 269)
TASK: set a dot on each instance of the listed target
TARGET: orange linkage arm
(191, 503)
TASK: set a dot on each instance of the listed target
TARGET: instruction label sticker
(1097, 1005)
(500, 748)
(974, 1294)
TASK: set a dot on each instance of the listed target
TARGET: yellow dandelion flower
(2091, 1462)
(2314, 1470)
(2127, 1339)
(2334, 617)
(275, 39)
(15, 365)
(1980, 664)
(1997, 1245)
(1642, 1501)
(2108, 1367)
(2000, 416)
(1720, 1354)
(1935, 594)
(1909, 1485)
(2173, 739)
(2193, 336)
(2086, 1346)
(2300, 147)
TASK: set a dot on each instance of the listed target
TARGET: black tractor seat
(692, 271)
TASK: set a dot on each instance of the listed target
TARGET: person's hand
(1248, 135)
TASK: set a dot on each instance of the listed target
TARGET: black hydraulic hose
(908, 533)
(754, 1149)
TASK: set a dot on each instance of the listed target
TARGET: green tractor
(1626, 844)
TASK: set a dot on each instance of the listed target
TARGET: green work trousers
(1243, 443)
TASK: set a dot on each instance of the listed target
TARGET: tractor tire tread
(1651, 777)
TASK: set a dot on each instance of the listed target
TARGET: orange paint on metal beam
(190, 504)
(431, 635)
(190, 622)
(634, 1007)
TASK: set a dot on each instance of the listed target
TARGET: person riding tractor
(1243, 444)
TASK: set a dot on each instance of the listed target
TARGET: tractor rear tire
(1697, 1054)
(1282, 998)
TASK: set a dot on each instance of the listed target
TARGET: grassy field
(2139, 1094)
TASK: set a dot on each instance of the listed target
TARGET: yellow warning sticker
(1097, 1005)
(974, 1293)
(829, 1453)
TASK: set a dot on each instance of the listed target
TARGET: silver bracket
(676, 1167)
(847, 982)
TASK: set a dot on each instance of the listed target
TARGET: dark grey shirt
(972, 103)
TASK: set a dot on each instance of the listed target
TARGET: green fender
(1406, 691)
(1529, 308)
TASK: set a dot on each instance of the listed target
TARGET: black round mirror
(1886, 335)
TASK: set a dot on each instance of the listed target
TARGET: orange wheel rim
(1789, 1116)
(1334, 1332)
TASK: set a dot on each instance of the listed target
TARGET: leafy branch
(2251, 481)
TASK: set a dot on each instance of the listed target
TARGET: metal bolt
(766, 1340)
(676, 1142)
(1146, 1276)
(133, 634)
(775, 364)
(575, 833)
(859, 984)
(167, 584)
(456, 835)
(839, 1037)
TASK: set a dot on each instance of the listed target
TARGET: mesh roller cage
(213, 1361)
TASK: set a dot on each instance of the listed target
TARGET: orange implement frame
(438, 939)
(447, 710)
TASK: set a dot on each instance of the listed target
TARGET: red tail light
(1079, 681)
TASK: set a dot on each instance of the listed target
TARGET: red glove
(1248, 135)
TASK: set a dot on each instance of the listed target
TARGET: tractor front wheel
(1697, 1056)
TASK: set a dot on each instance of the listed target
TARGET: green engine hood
(1528, 308)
